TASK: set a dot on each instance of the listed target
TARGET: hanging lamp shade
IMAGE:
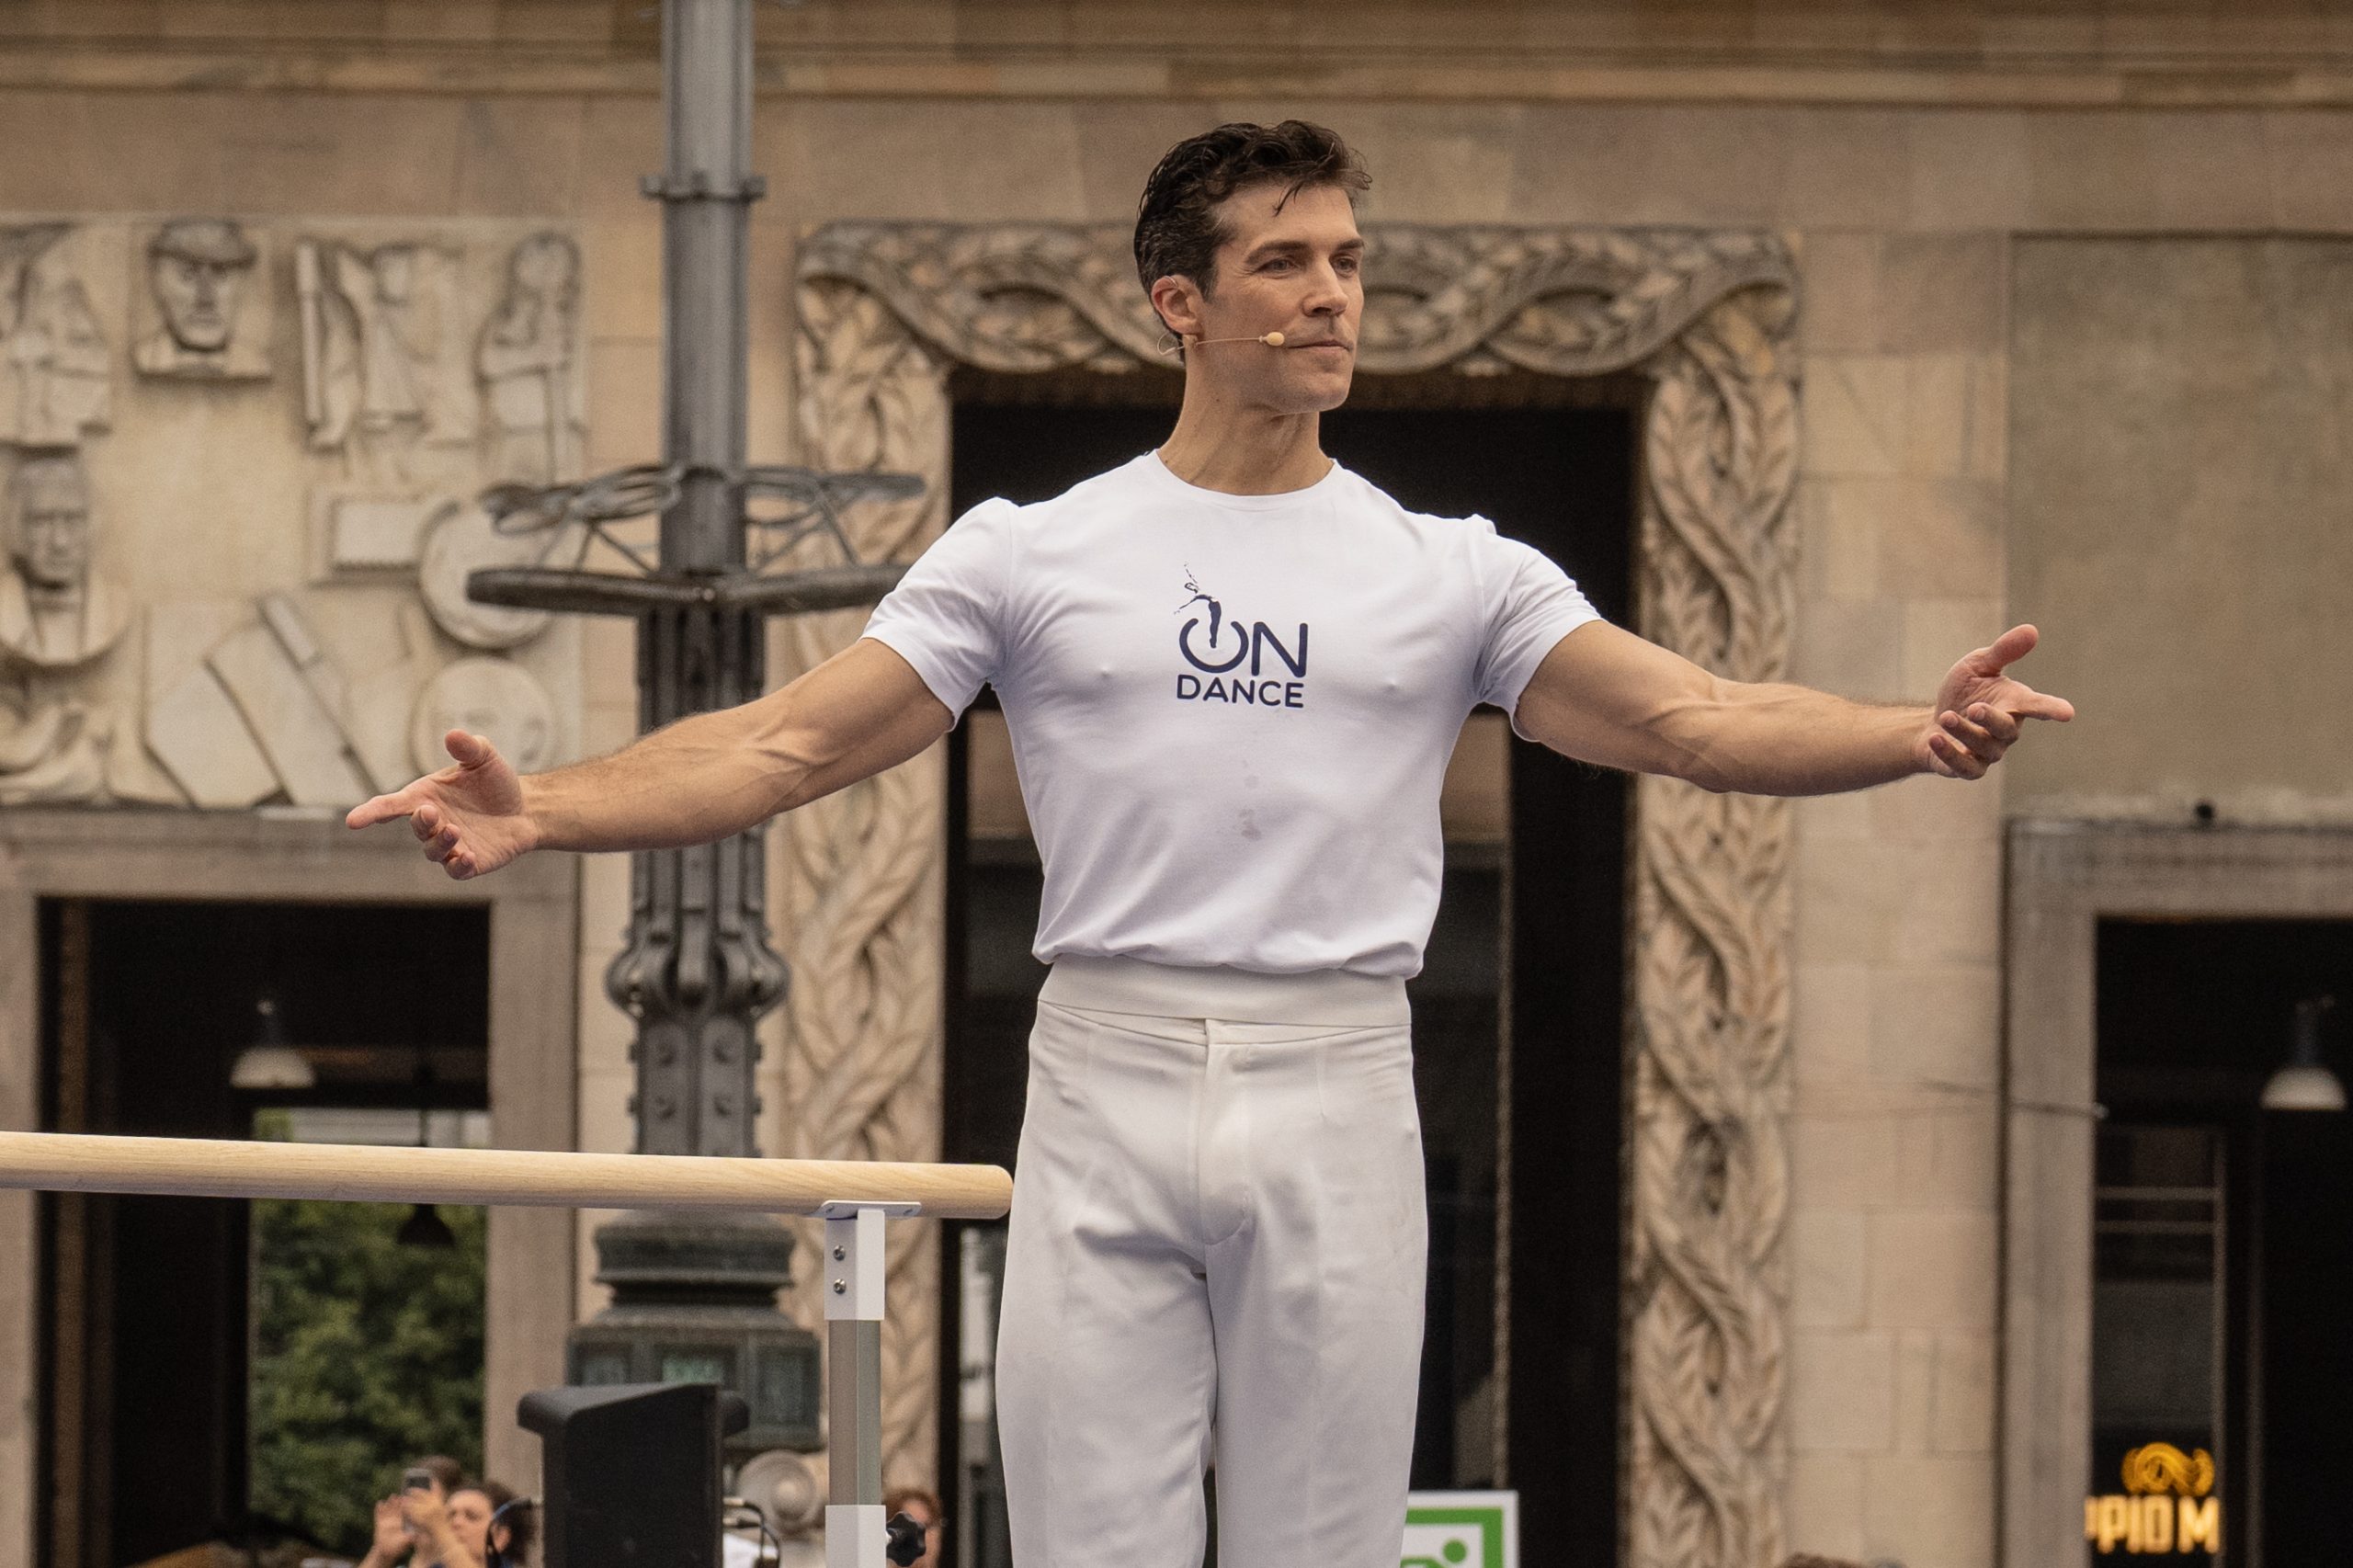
(2305, 1082)
(270, 1063)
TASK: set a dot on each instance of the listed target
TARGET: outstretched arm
(701, 778)
(1604, 695)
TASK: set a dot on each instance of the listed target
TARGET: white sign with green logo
(1462, 1529)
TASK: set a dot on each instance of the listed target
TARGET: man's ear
(1178, 302)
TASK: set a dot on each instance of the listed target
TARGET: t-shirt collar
(1159, 473)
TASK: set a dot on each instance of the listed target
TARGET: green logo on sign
(1462, 1529)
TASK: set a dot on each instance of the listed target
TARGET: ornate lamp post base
(694, 1301)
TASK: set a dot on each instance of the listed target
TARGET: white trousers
(1217, 1251)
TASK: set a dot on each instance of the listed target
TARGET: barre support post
(857, 1534)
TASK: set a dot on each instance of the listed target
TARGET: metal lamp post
(695, 1294)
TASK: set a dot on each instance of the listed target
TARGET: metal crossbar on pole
(209, 1167)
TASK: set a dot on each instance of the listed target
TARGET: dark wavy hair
(521, 1522)
(1178, 231)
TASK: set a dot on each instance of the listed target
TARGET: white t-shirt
(1231, 715)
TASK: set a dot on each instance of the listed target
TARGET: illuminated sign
(2168, 1505)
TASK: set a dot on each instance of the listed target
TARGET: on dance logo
(2166, 1504)
(1220, 658)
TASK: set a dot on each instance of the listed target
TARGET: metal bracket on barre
(854, 1254)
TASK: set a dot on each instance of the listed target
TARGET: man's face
(198, 299)
(1292, 267)
(54, 532)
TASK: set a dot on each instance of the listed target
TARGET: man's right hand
(469, 816)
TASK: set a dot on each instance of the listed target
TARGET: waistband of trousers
(1333, 997)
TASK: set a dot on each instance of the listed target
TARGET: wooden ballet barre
(214, 1168)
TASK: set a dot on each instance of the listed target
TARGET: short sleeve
(1528, 604)
(946, 617)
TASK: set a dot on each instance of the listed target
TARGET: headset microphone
(1271, 339)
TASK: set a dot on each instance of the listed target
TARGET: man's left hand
(1980, 710)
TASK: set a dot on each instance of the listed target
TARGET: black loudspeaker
(629, 1472)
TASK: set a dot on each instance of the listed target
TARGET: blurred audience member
(924, 1508)
(497, 1535)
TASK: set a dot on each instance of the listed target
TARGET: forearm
(1792, 740)
(699, 780)
(715, 774)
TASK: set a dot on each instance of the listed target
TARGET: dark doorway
(150, 1010)
(2222, 1252)
(1518, 1014)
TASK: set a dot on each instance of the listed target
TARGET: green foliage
(366, 1356)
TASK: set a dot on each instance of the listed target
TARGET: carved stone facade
(887, 310)
(225, 586)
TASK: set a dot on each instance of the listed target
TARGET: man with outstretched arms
(1233, 672)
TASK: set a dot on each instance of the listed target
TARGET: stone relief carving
(56, 615)
(55, 611)
(56, 383)
(886, 310)
(383, 362)
(434, 363)
(528, 362)
(207, 322)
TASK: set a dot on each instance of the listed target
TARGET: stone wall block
(1846, 169)
(1830, 1023)
(1825, 1507)
(2309, 171)
(1938, 1024)
(320, 153)
(2210, 171)
(1846, 901)
(1928, 1512)
(1432, 163)
(1940, 413)
(1931, 808)
(1941, 293)
(1932, 1269)
(1854, 649)
(1970, 169)
(1839, 308)
(1915, 1366)
(1849, 1160)
(1948, 908)
(521, 157)
(625, 401)
(1839, 526)
(1842, 1390)
(2093, 170)
(159, 153)
(1664, 165)
(1854, 415)
(1964, 1394)
(622, 275)
(438, 21)
(1828, 1278)
(1924, 537)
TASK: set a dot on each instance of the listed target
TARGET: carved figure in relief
(55, 612)
(54, 382)
(1198, 887)
(52, 746)
(380, 378)
(200, 271)
(531, 382)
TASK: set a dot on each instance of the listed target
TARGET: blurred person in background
(491, 1523)
(924, 1508)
